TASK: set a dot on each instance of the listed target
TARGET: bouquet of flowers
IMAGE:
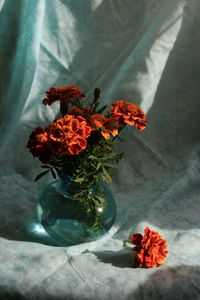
(80, 142)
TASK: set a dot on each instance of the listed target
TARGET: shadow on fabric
(179, 282)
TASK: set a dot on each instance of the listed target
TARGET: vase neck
(68, 185)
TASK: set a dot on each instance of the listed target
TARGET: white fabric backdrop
(147, 52)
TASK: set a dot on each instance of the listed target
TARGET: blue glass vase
(65, 218)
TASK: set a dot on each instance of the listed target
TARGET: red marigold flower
(71, 133)
(151, 249)
(38, 146)
(78, 111)
(107, 125)
(136, 239)
(63, 93)
(128, 113)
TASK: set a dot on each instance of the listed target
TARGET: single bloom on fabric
(63, 93)
(106, 124)
(128, 113)
(151, 249)
(38, 145)
(71, 133)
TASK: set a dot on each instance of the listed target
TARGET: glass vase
(66, 219)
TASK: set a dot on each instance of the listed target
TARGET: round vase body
(65, 218)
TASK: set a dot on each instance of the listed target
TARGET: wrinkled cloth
(148, 53)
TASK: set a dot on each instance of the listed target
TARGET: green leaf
(92, 157)
(96, 95)
(127, 244)
(81, 193)
(79, 180)
(110, 166)
(107, 176)
(53, 173)
(102, 109)
(110, 156)
(98, 166)
(41, 174)
(63, 107)
(57, 170)
(99, 199)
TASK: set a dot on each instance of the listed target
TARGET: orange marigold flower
(107, 125)
(128, 113)
(151, 249)
(38, 145)
(71, 133)
(80, 126)
(73, 144)
(56, 131)
(63, 93)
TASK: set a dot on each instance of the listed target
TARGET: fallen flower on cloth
(151, 249)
